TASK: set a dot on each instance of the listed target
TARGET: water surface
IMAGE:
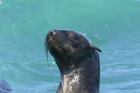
(112, 25)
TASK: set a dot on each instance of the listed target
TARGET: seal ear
(94, 47)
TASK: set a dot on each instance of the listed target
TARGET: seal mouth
(51, 41)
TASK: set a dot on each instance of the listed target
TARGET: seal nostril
(52, 32)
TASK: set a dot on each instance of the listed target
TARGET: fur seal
(5, 87)
(77, 59)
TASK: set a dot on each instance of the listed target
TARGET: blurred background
(112, 25)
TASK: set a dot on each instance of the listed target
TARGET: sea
(111, 25)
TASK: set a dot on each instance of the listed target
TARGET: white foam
(0, 2)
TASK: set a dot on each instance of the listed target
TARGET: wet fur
(77, 60)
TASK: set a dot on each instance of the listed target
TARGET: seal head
(77, 60)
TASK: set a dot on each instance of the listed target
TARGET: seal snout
(50, 36)
(53, 39)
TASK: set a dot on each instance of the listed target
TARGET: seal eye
(73, 38)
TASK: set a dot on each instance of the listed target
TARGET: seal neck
(66, 66)
(82, 79)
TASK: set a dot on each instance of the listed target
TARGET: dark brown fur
(77, 60)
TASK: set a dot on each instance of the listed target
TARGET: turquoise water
(112, 25)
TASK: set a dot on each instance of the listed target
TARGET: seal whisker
(46, 50)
